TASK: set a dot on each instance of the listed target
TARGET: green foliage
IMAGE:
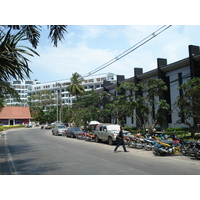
(14, 62)
(32, 32)
(130, 129)
(105, 106)
(177, 129)
(2, 128)
(85, 109)
(45, 117)
(75, 88)
(188, 104)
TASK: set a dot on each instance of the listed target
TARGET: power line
(131, 49)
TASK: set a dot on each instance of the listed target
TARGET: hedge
(2, 128)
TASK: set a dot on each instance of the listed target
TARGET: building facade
(15, 115)
(59, 88)
(173, 75)
(22, 88)
(27, 88)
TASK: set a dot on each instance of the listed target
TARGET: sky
(87, 47)
(98, 31)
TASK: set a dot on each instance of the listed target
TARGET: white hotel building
(90, 82)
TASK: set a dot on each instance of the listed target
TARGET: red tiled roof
(15, 112)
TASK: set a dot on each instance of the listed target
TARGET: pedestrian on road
(121, 140)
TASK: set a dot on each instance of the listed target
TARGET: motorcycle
(89, 137)
(191, 148)
(197, 150)
(149, 144)
(131, 142)
(80, 136)
(139, 143)
(167, 147)
(187, 147)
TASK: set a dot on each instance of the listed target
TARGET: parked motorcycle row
(163, 146)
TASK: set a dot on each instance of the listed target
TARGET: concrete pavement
(6, 167)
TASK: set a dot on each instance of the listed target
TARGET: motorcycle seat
(187, 142)
(168, 141)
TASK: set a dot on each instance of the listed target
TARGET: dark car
(73, 131)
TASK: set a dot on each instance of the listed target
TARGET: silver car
(59, 130)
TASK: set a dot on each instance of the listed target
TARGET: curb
(6, 164)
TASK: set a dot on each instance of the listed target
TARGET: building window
(28, 82)
(16, 82)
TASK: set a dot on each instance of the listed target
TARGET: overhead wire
(128, 51)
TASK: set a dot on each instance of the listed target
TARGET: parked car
(59, 130)
(28, 126)
(107, 132)
(73, 131)
(48, 126)
(56, 123)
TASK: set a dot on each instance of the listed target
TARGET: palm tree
(13, 63)
(13, 60)
(32, 32)
(75, 88)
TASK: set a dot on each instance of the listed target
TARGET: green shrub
(13, 126)
(130, 129)
(177, 129)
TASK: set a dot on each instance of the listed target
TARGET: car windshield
(61, 127)
(77, 129)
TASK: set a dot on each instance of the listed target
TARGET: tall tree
(188, 104)
(43, 100)
(125, 103)
(149, 104)
(75, 88)
(32, 32)
(13, 57)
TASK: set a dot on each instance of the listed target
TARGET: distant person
(121, 140)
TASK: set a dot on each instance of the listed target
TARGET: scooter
(167, 147)
(197, 150)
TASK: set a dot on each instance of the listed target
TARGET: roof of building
(15, 112)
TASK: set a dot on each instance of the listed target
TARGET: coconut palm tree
(13, 58)
(75, 88)
(32, 32)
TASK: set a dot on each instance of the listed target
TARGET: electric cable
(128, 51)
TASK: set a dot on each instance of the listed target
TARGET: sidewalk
(5, 165)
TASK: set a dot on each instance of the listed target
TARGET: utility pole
(59, 102)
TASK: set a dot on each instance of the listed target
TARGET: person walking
(121, 140)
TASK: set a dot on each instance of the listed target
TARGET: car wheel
(96, 139)
(110, 141)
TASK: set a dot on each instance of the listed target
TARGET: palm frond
(13, 60)
(33, 34)
(57, 33)
(6, 89)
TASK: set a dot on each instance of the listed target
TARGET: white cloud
(88, 47)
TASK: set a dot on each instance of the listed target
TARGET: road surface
(34, 151)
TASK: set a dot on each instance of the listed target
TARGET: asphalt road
(37, 152)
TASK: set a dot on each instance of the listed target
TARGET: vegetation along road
(37, 152)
